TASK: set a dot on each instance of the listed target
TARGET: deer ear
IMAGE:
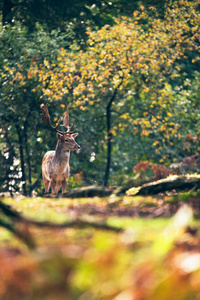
(59, 136)
(74, 135)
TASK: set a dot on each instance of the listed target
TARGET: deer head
(64, 137)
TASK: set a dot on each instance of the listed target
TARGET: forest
(128, 226)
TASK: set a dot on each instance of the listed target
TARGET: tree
(128, 86)
(74, 16)
(23, 142)
(130, 74)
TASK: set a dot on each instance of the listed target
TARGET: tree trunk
(21, 152)
(28, 161)
(109, 134)
(27, 151)
(109, 143)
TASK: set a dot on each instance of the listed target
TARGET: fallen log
(177, 183)
(88, 191)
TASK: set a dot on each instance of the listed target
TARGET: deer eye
(67, 140)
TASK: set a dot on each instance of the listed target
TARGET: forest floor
(115, 247)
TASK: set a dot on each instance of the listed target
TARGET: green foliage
(70, 16)
(133, 91)
(132, 85)
(23, 142)
(131, 82)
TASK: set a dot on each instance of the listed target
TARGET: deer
(55, 164)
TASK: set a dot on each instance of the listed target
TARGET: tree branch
(17, 218)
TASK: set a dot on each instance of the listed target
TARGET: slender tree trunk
(27, 158)
(27, 149)
(109, 143)
(21, 152)
(109, 134)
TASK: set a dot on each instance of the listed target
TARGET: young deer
(55, 164)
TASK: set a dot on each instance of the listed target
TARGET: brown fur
(55, 164)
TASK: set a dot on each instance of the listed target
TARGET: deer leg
(64, 185)
(55, 186)
(46, 184)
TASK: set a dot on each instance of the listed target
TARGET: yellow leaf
(155, 143)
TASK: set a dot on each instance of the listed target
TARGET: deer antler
(46, 118)
(66, 121)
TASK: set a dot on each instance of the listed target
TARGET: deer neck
(61, 154)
